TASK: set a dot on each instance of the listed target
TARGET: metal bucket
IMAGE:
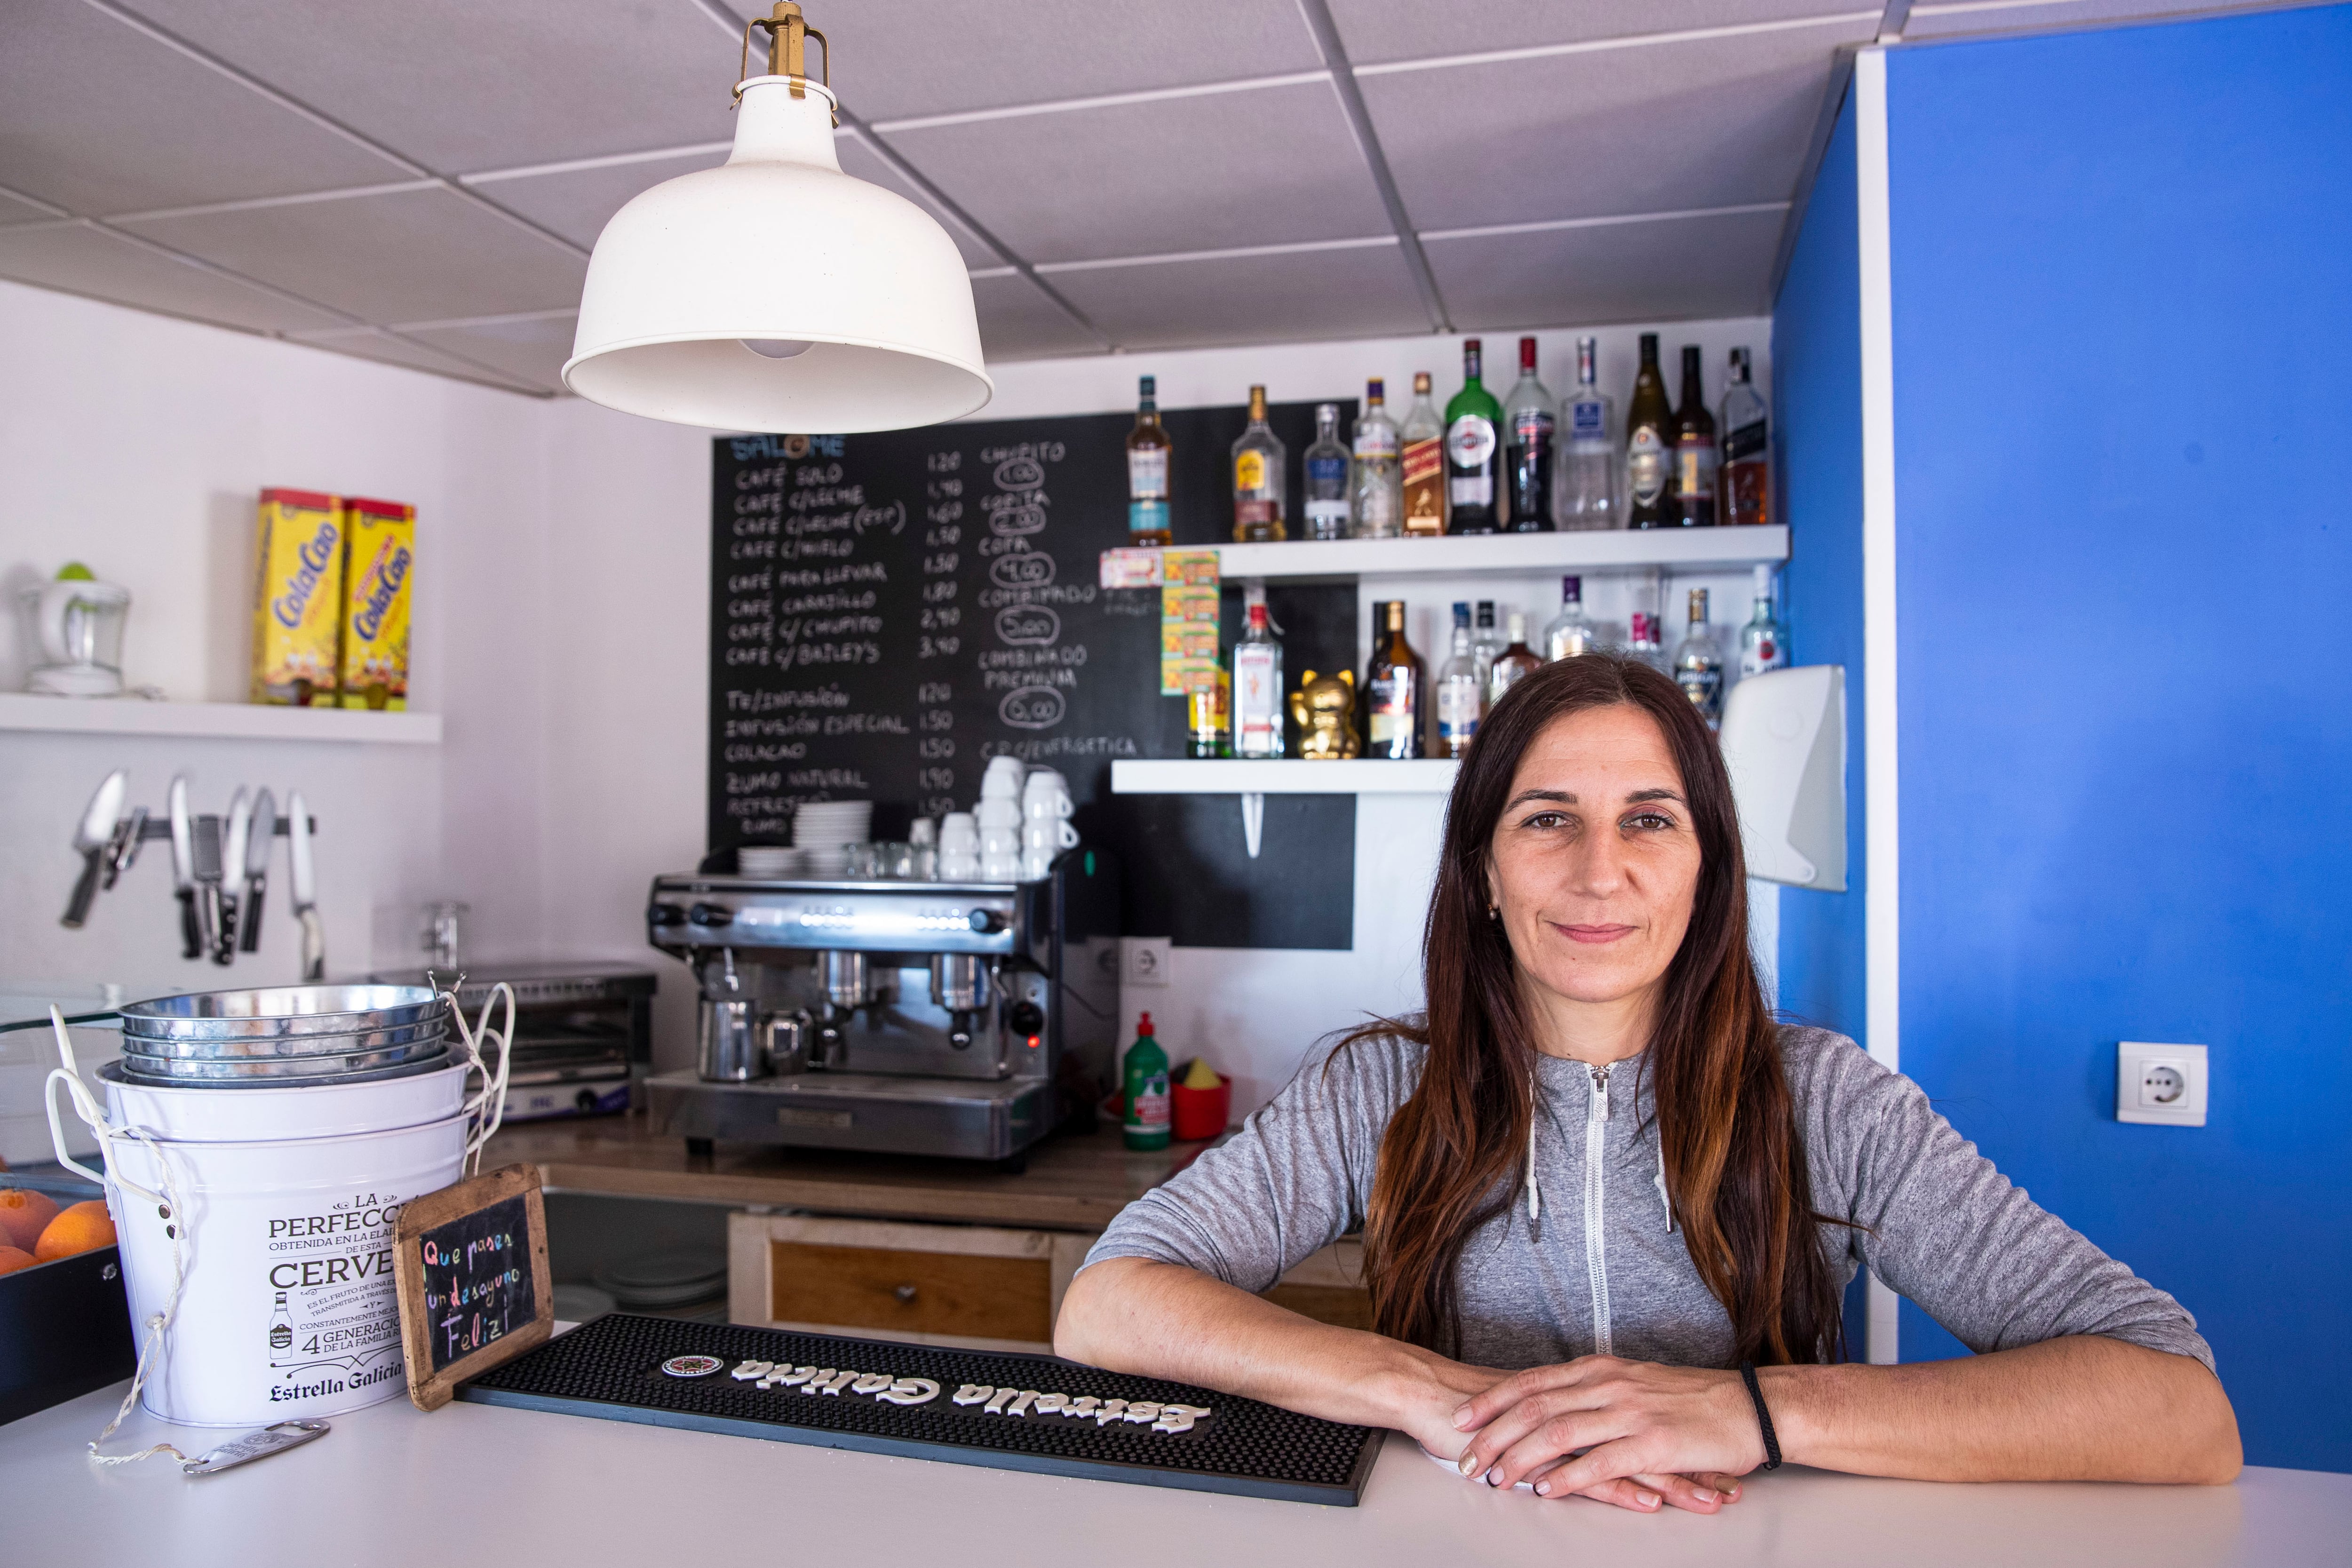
(233, 1071)
(194, 1114)
(279, 1011)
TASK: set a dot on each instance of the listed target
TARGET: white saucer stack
(824, 830)
(768, 860)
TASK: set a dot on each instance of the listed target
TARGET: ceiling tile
(902, 57)
(1682, 269)
(1017, 321)
(1269, 167)
(1957, 20)
(861, 162)
(463, 86)
(15, 211)
(1658, 129)
(1377, 31)
(1293, 297)
(385, 349)
(101, 118)
(82, 259)
(412, 256)
(575, 203)
(532, 350)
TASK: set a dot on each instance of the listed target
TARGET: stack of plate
(284, 1037)
(767, 860)
(824, 830)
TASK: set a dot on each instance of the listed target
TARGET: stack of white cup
(958, 847)
(998, 818)
(1045, 828)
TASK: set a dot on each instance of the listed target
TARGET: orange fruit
(23, 1214)
(12, 1259)
(82, 1228)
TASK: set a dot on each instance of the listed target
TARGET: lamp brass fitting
(788, 35)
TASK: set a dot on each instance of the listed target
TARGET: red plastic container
(1198, 1113)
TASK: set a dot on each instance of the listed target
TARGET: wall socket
(1147, 958)
(2162, 1085)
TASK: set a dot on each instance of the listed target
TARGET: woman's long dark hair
(1726, 1127)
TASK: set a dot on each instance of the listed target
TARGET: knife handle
(192, 939)
(249, 920)
(225, 931)
(208, 917)
(85, 890)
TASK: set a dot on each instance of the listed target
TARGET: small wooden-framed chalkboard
(470, 1262)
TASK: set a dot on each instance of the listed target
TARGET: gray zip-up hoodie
(1587, 1260)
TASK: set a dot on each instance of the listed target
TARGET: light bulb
(777, 348)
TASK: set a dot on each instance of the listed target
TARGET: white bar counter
(478, 1484)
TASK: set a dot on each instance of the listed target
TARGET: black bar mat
(997, 1408)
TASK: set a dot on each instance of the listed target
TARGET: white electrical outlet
(1147, 958)
(2162, 1085)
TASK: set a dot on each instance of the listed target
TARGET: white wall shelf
(213, 721)
(1279, 775)
(1502, 554)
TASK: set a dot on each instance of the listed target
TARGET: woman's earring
(1494, 912)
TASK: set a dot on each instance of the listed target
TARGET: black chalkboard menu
(477, 1283)
(890, 610)
(469, 1265)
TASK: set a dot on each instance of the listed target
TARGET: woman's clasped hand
(1631, 1432)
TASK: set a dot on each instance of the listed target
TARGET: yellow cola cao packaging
(375, 603)
(298, 599)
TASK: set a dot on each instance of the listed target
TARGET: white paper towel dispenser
(1784, 741)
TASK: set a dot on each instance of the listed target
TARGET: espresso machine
(967, 1019)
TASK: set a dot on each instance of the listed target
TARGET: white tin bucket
(287, 1307)
(210, 1115)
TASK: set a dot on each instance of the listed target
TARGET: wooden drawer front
(910, 1291)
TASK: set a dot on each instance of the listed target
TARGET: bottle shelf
(213, 721)
(1279, 775)
(1502, 554)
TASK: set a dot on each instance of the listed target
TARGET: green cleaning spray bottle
(1143, 1096)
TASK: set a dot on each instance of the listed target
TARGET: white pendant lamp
(774, 292)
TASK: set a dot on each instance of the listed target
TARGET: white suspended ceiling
(420, 181)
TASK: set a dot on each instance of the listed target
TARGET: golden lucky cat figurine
(1324, 709)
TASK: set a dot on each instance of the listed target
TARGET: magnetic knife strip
(995, 1408)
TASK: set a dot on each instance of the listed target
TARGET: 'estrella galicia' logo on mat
(692, 1365)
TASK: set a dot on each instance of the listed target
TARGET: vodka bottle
(1326, 465)
(1585, 490)
(1570, 633)
(1423, 465)
(1743, 489)
(1376, 491)
(1646, 634)
(1763, 641)
(1698, 664)
(1513, 663)
(1487, 641)
(1530, 423)
(1258, 478)
(1461, 694)
(1257, 689)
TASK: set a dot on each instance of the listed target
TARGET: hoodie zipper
(1596, 1248)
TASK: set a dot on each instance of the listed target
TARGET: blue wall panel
(2122, 330)
(1817, 426)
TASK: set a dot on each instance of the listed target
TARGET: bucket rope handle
(168, 1200)
(488, 1107)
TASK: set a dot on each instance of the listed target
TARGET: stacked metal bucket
(285, 1037)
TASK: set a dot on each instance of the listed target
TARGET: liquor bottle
(1487, 641)
(1515, 663)
(1744, 489)
(1649, 443)
(1461, 694)
(1763, 641)
(1585, 490)
(1645, 639)
(1379, 622)
(1209, 713)
(281, 1331)
(1423, 464)
(1392, 695)
(1694, 487)
(1473, 453)
(1698, 664)
(1326, 465)
(1258, 478)
(1530, 421)
(1376, 491)
(1143, 1090)
(1257, 689)
(1570, 633)
(1148, 452)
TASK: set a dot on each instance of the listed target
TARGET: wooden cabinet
(954, 1284)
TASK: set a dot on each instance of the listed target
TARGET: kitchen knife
(124, 849)
(207, 863)
(184, 870)
(297, 852)
(230, 876)
(93, 836)
(257, 870)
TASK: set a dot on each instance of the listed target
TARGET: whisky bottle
(1570, 633)
(1326, 465)
(1649, 443)
(1423, 463)
(1209, 710)
(1530, 421)
(1393, 693)
(1257, 689)
(1513, 663)
(1473, 453)
(1744, 489)
(1585, 488)
(1148, 452)
(1461, 695)
(1376, 491)
(1258, 457)
(1763, 641)
(1698, 664)
(1695, 456)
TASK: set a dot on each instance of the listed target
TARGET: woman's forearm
(1161, 1319)
(2081, 1408)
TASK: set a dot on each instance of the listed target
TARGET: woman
(1595, 1181)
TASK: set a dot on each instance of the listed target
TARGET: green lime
(75, 572)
